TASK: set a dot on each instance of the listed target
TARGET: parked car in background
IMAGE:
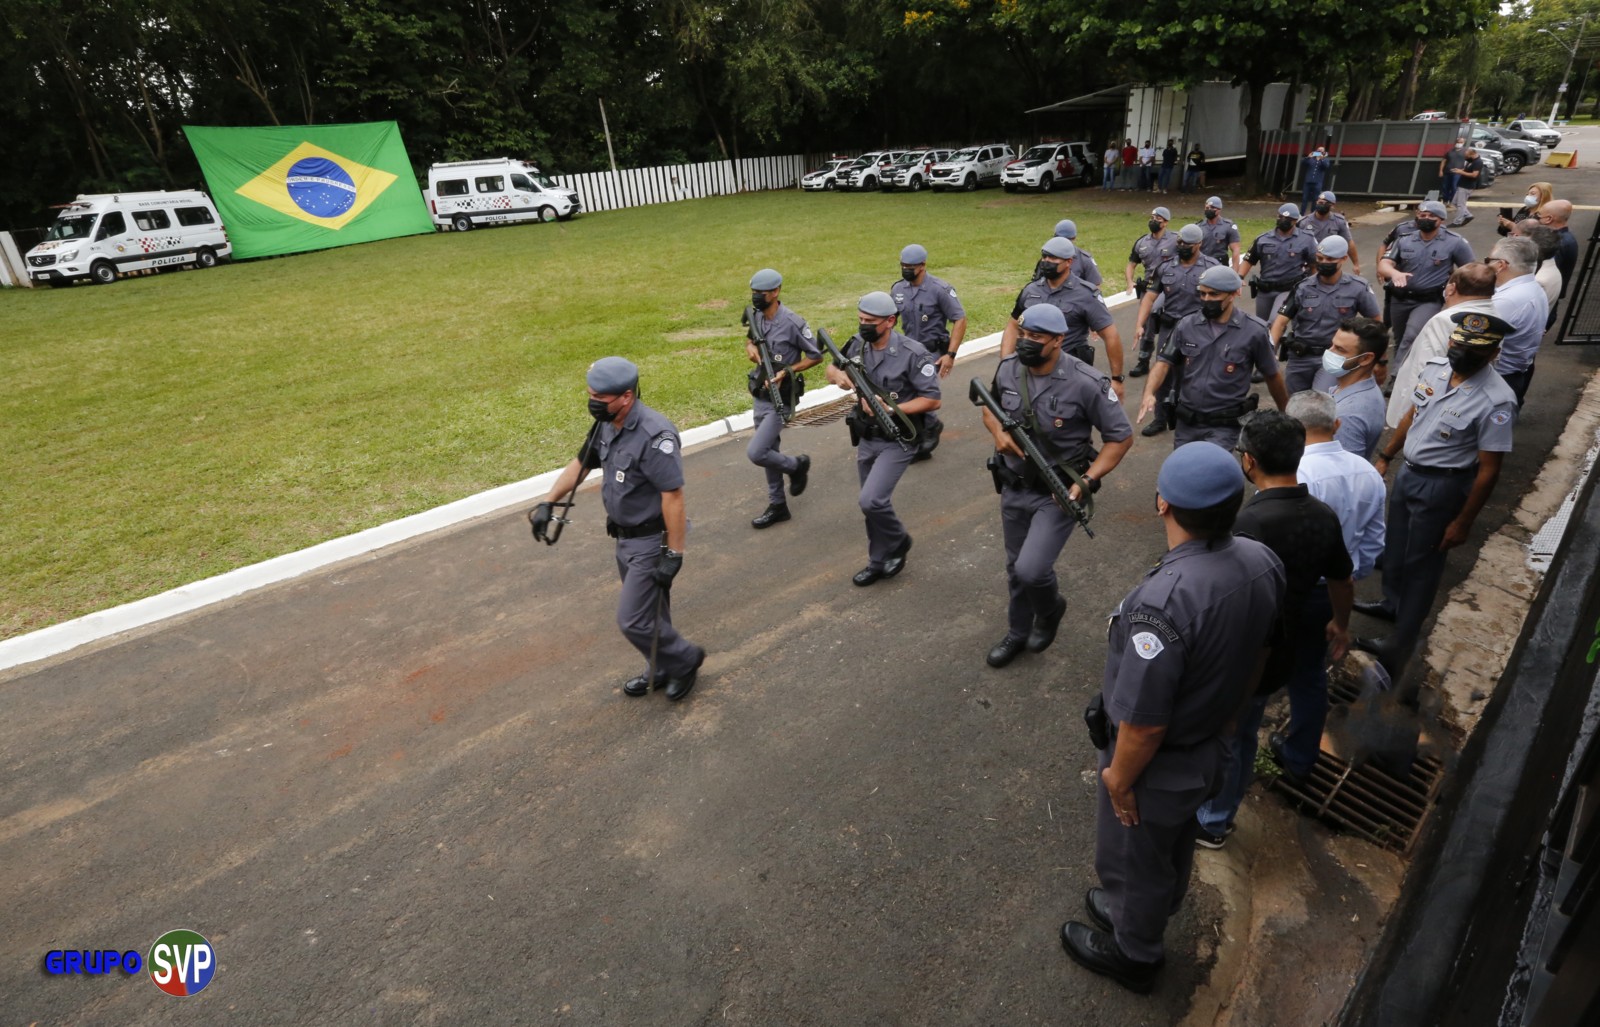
(973, 167)
(827, 176)
(868, 170)
(1515, 154)
(911, 170)
(1537, 130)
(1430, 116)
(1047, 166)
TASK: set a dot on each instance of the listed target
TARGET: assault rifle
(545, 515)
(758, 336)
(892, 423)
(1081, 510)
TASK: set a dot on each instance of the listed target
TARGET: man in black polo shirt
(1304, 533)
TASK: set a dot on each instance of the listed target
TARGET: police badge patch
(1147, 646)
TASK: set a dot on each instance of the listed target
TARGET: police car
(1048, 165)
(912, 169)
(973, 167)
(868, 170)
(827, 176)
(99, 236)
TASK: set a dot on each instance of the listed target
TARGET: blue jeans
(1165, 178)
(1190, 180)
(1308, 195)
(1108, 178)
(1308, 685)
(1238, 770)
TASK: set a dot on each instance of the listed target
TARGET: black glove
(671, 563)
(540, 517)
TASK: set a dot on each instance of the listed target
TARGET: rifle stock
(1081, 510)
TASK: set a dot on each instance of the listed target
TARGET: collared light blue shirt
(1521, 303)
(1355, 491)
(1362, 411)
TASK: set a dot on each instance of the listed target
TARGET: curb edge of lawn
(105, 624)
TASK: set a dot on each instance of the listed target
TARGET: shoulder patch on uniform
(806, 331)
(927, 370)
(666, 443)
(952, 294)
(1147, 646)
(1500, 417)
(1149, 619)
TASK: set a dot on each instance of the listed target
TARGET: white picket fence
(639, 187)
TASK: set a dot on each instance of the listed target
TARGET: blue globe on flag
(320, 187)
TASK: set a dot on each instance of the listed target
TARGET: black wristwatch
(1118, 378)
(1094, 483)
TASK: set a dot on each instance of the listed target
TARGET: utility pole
(1572, 55)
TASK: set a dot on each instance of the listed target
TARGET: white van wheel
(205, 258)
(547, 214)
(461, 223)
(102, 273)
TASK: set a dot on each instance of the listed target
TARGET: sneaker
(1207, 840)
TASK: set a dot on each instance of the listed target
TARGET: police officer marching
(1059, 400)
(908, 375)
(1454, 438)
(1215, 348)
(930, 313)
(1417, 265)
(793, 349)
(1182, 652)
(641, 486)
(1083, 264)
(1080, 302)
(1315, 307)
(1170, 298)
(1220, 236)
(1284, 256)
(1323, 221)
(1150, 252)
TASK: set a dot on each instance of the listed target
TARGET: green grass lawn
(167, 428)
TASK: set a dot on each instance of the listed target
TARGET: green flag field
(170, 427)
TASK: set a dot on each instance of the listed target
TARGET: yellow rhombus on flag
(271, 187)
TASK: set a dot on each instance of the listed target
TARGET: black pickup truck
(1515, 154)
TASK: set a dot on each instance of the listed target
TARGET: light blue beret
(1198, 475)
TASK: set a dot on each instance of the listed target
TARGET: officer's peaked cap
(1483, 331)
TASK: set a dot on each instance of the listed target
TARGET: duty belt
(1442, 472)
(1308, 349)
(654, 526)
(1228, 417)
(1419, 295)
(1282, 285)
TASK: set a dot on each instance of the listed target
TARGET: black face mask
(1426, 224)
(598, 409)
(758, 300)
(908, 273)
(1185, 252)
(1285, 223)
(1326, 269)
(1030, 352)
(1211, 215)
(1466, 361)
(1323, 208)
(868, 332)
(1211, 310)
(1155, 226)
(1046, 269)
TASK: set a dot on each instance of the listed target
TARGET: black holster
(790, 389)
(1099, 724)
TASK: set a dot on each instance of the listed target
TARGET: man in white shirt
(1343, 480)
(1471, 289)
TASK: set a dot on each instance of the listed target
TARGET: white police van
(465, 193)
(99, 236)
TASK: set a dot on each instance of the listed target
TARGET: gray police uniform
(1216, 361)
(1084, 267)
(1447, 432)
(1177, 297)
(1280, 262)
(639, 462)
(1430, 265)
(904, 370)
(1216, 236)
(1152, 252)
(1181, 650)
(1082, 304)
(926, 311)
(1067, 403)
(1314, 309)
(1320, 228)
(789, 338)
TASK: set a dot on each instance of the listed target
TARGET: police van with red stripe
(100, 236)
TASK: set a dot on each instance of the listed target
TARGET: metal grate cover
(1367, 801)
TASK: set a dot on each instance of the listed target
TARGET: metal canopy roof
(1112, 98)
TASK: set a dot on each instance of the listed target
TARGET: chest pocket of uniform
(1235, 352)
(1453, 425)
(622, 468)
(1010, 400)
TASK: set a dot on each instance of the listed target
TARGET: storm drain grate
(825, 413)
(1366, 800)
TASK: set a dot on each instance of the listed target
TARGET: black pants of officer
(1406, 318)
(1421, 505)
(1035, 529)
(763, 450)
(1145, 868)
(636, 610)
(880, 463)
(1147, 341)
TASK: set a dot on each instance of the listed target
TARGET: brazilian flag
(292, 189)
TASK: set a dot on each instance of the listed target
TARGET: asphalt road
(410, 790)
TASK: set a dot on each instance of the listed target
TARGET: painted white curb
(69, 635)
